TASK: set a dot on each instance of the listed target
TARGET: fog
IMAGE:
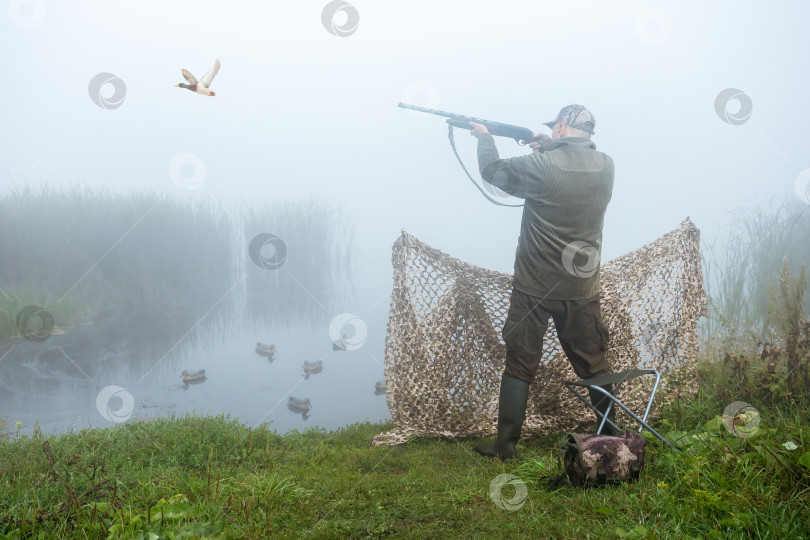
(303, 114)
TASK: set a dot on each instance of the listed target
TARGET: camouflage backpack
(593, 460)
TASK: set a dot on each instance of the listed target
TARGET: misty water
(186, 310)
(56, 383)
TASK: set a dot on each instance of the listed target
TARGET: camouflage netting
(444, 354)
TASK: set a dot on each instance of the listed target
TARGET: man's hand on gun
(540, 142)
(478, 129)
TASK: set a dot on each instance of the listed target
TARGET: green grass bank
(212, 477)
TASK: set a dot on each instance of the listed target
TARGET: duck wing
(189, 77)
(208, 77)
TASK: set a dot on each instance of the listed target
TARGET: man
(566, 184)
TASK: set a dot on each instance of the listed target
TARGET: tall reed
(316, 273)
(85, 254)
(740, 264)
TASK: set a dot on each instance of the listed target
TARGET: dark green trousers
(583, 335)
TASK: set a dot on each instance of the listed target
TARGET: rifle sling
(453, 146)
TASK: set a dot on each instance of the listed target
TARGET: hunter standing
(566, 184)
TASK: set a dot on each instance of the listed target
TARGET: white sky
(300, 111)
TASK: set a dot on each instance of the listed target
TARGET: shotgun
(521, 135)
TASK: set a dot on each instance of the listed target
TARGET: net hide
(444, 354)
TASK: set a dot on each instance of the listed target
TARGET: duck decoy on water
(263, 349)
(379, 387)
(340, 344)
(193, 376)
(202, 86)
(302, 406)
(312, 367)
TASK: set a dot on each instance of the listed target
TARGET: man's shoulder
(578, 157)
(608, 160)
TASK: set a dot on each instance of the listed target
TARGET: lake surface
(60, 383)
(173, 284)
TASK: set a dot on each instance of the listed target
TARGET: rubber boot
(511, 412)
(601, 402)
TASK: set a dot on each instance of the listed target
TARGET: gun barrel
(521, 135)
(426, 110)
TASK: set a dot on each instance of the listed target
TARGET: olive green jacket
(566, 190)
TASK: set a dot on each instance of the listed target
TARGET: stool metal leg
(594, 409)
(652, 396)
(605, 419)
(642, 421)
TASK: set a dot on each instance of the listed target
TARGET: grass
(213, 477)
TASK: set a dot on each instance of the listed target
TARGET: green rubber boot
(511, 412)
(601, 403)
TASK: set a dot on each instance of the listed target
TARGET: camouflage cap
(576, 116)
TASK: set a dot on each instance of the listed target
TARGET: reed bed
(742, 274)
(85, 254)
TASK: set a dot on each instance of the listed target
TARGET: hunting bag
(593, 460)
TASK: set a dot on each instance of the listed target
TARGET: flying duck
(202, 86)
